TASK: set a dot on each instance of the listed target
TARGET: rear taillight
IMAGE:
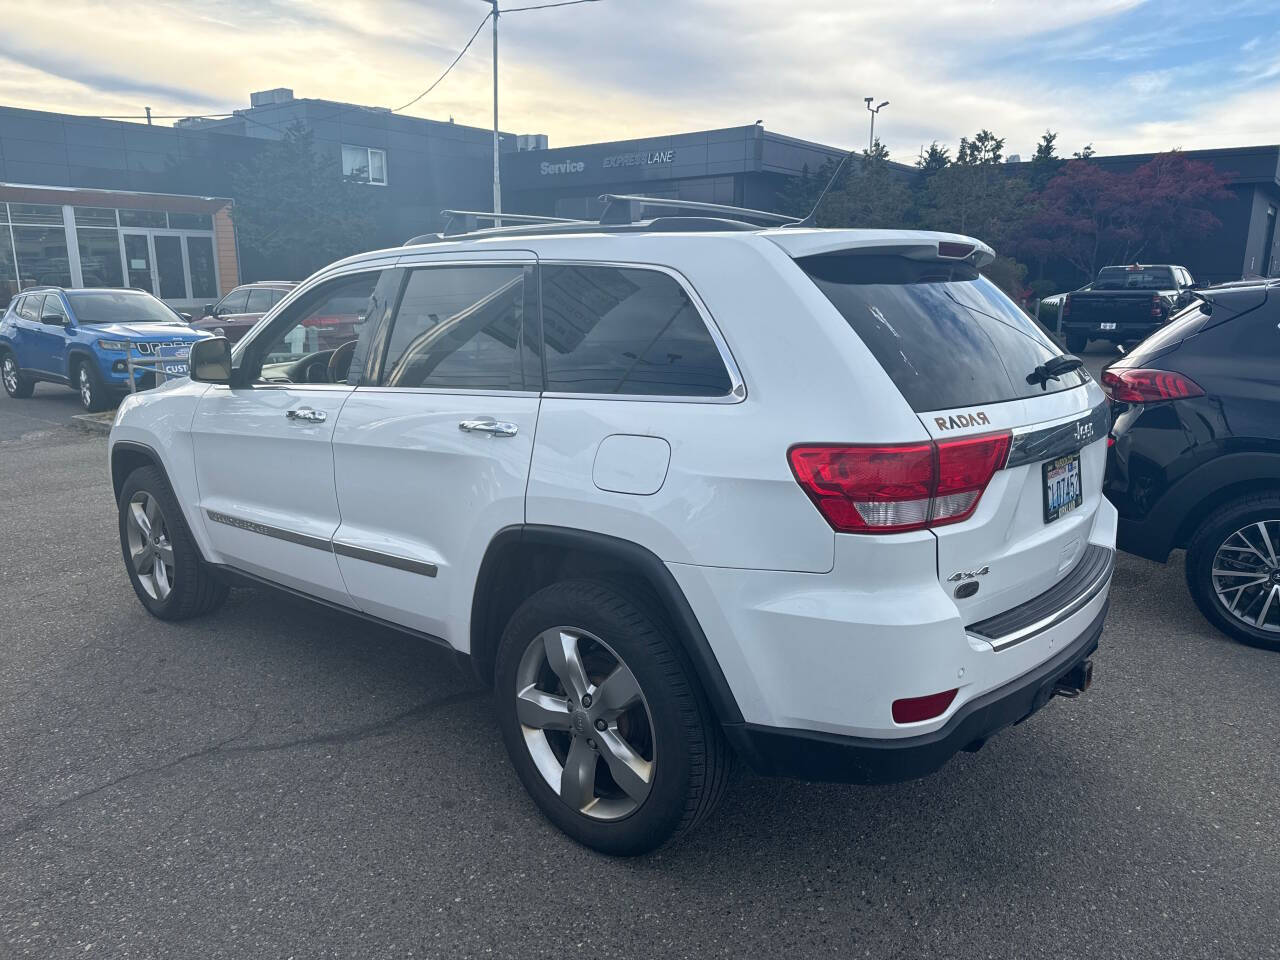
(1066, 305)
(1155, 305)
(1148, 386)
(892, 489)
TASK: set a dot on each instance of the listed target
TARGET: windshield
(119, 306)
(946, 335)
(1134, 278)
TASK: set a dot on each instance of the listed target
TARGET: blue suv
(81, 338)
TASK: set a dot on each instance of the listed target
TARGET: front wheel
(93, 394)
(1233, 569)
(16, 384)
(1077, 342)
(603, 721)
(165, 568)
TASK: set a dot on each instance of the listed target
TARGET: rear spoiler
(912, 244)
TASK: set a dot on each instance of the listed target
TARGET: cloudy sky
(1123, 74)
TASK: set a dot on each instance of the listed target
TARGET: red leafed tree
(1092, 217)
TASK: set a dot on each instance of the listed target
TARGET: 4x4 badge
(968, 575)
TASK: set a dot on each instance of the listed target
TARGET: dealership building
(87, 201)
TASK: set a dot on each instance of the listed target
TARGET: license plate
(1062, 490)
(1106, 326)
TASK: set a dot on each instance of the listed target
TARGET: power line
(466, 47)
(545, 6)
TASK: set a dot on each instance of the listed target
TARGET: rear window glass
(1134, 278)
(946, 336)
(618, 330)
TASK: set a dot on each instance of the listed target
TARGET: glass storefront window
(171, 268)
(204, 284)
(95, 217)
(42, 255)
(191, 221)
(99, 257)
(143, 218)
(35, 213)
(4, 213)
(8, 277)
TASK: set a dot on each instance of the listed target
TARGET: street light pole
(871, 139)
(497, 174)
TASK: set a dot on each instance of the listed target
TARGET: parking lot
(280, 780)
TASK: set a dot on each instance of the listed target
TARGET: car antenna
(809, 220)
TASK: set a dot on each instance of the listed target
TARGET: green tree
(934, 159)
(294, 211)
(1085, 153)
(1045, 162)
(871, 192)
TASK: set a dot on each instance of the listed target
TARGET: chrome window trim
(737, 386)
(452, 391)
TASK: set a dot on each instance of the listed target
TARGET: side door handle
(495, 428)
(307, 415)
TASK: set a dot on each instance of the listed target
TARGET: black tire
(194, 588)
(16, 383)
(1077, 342)
(88, 384)
(1213, 533)
(692, 760)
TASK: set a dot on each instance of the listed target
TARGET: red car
(234, 315)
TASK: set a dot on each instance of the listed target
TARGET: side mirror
(210, 360)
(208, 309)
(185, 316)
(55, 320)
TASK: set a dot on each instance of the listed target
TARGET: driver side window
(315, 340)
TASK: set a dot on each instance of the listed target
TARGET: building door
(171, 267)
(137, 261)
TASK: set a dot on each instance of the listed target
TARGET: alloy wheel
(86, 388)
(150, 550)
(1246, 575)
(586, 723)
(10, 375)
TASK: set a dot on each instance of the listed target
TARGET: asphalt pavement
(279, 780)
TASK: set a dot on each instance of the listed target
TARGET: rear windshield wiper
(1053, 368)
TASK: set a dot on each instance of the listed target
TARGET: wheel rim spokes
(10, 376)
(578, 704)
(86, 391)
(150, 550)
(1246, 575)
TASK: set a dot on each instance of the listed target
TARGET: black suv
(1195, 456)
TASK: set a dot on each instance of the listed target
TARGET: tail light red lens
(915, 709)
(1148, 386)
(1155, 305)
(892, 489)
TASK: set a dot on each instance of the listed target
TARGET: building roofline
(123, 193)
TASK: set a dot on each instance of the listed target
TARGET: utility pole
(148, 116)
(497, 174)
(871, 139)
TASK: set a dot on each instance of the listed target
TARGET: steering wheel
(340, 362)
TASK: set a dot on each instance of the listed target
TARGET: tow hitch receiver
(1075, 681)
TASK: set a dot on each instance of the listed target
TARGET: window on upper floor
(365, 164)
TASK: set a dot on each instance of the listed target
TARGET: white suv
(823, 500)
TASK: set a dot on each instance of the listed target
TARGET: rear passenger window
(458, 327)
(626, 331)
(260, 300)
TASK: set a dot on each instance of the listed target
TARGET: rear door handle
(307, 414)
(495, 428)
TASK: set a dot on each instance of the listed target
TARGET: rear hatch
(965, 358)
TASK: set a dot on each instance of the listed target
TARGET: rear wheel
(16, 384)
(165, 567)
(1233, 569)
(1077, 342)
(604, 723)
(93, 393)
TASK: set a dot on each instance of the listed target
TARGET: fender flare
(1170, 523)
(631, 556)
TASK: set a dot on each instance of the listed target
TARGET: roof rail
(467, 220)
(625, 208)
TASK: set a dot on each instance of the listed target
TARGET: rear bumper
(811, 755)
(1125, 330)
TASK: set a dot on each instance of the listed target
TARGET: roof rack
(468, 220)
(622, 214)
(622, 208)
